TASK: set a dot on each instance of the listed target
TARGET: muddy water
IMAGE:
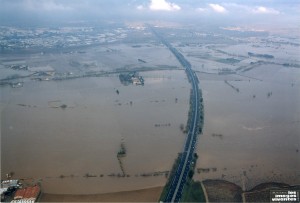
(259, 133)
(42, 142)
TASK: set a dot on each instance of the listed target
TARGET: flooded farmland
(70, 124)
(252, 136)
(58, 147)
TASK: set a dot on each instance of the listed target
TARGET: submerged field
(59, 147)
(251, 129)
(65, 133)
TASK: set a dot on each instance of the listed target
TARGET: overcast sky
(22, 11)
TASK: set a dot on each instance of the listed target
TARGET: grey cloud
(64, 10)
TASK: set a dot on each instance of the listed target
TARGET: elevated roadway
(179, 179)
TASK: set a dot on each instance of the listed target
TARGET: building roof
(19, 193)
(28, 193)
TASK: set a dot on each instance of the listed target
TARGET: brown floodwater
(250, 137)
(42, 142)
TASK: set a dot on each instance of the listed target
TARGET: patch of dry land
(224, 191)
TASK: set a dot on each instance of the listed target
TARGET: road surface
(182, 171)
